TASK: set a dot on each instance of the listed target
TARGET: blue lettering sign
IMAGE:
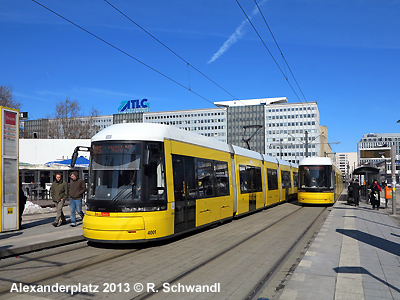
(124, 105)
(143, 103)
(133, 106)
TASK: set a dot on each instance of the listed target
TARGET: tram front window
(127, 177)
(316, 177)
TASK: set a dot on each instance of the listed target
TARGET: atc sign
(133, 106)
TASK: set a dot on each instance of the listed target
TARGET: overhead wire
(283, 57)
(168, 48)
(276, 43)
(266, 47)
(187, 63)
(176, 54)
(280, 51)
(139, 61)
(122, 51)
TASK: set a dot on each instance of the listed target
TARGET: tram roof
(270, 159)
(160, 132)
(247, 153)
(156, 132)
(313, 161)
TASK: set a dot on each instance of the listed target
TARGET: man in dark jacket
(21, 203)
(76, 189)
(356, 192)
(59, 194)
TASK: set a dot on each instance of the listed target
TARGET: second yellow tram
(320, 181)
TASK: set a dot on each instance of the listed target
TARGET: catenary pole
(393, 157)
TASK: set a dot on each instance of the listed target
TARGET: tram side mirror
(146, 157)
(74, 158)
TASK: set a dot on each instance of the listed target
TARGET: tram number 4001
(152, 232)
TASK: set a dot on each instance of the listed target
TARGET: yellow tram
(151, 181)
(320, 181)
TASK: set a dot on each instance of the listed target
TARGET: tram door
(185, 192)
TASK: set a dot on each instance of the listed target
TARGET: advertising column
(9, 120)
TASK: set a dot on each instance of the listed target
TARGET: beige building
(347, 162)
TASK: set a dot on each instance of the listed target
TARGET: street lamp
(393, 159)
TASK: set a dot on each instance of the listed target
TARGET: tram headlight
(155, 208)
(140, 209)
(132, 209)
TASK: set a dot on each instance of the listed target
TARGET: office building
(272, 126)
(209, 122)
(347, 162)
(374, 149)
(48, 128)
(275, 127)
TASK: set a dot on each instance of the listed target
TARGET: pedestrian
(21, 203)
(375, 192)
(388, 194)
(356, 192)
(350, 192)
(76, 190)
(59, 194)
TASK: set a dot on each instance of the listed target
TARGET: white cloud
(239, 32)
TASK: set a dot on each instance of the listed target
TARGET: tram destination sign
(134, 106)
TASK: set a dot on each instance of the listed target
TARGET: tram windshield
(316, 178)
(127, 177)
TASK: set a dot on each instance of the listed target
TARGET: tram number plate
(152, 232)
(102, 214)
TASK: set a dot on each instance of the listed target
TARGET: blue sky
(345, 55)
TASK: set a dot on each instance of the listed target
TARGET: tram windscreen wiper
(125, 192)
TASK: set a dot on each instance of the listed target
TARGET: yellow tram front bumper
(316, 198)
(113, 227)
(126, 227)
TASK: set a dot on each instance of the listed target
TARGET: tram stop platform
(38, 233)
(356, 255)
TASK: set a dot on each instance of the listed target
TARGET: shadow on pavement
(372, 240)
(361, 270)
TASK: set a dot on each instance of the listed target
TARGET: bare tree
(7, 98)
(69, 123)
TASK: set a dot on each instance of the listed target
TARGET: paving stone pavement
(356, 255)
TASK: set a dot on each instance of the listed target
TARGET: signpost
(393, 157)
(9, 189)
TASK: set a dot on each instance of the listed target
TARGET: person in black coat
(375, 195)
(21, 204)
(356, 192)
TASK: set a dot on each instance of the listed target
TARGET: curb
(39, 246)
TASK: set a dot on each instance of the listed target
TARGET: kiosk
(9, 189)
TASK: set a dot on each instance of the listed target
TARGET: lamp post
(393, 157)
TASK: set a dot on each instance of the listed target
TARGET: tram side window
(285, 179)
(295, 179)
(222, 178)
(250, 179)
(272, 176)
(199, 178)
(190, 178)
(205, 175)
(179, 182)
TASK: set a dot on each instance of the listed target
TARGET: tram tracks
(45, 265)
(209, 260)
(256, 287)
(273, 270)
(263, 238)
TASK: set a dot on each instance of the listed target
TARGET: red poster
(11, 118)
